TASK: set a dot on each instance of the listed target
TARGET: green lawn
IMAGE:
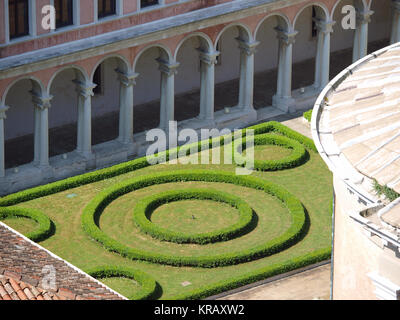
(311, 183)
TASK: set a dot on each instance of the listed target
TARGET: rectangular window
(106, 8)
(64, 13)
(148, 3)
(18, 13)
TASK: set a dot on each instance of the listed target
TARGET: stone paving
(313, 284)
(63, 139)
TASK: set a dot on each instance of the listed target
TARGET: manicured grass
(310, 183)
(270, 152)
(126, 287)
(194, 216)
(23, 225)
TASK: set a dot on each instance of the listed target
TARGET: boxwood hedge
(93, 210)
(297, 157)
(139, 163)
(147, 283)
(44, 228)
(145, 207)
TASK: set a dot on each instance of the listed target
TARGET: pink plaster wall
(130, 6)
(87, 11)
(92, 30)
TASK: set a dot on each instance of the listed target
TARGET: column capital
(41, 101)
(286, 37)
(208, 57)
(127, 78)
(167, 67)
(3, 110)
(248, 47)
(85, 89)
(364, 16)
(324, 26)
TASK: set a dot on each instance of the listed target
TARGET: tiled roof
(24, 270)
(13, 289)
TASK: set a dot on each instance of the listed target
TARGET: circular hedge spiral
(147, 283)
(95, 208)
(44, 229)
(145, 207)
(297, 157)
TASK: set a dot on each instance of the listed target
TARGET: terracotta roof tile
(21, 273)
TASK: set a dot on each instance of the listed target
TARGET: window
(218, 48)
(98, 80)
(106, 8)
(148, 3)
(64, 15)
(18, 13)
(314, 30)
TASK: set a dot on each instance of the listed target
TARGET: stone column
(283, 99)
(127, 81)
(322, 60)
(246, 82)
(360, 47)
(41, 143)
(3, 110)
(208, 61)
(395, 35)
(167, 108)
(85, 93)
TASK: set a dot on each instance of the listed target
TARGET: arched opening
(380, 26)
(310, 23)
(342, 40)
(63, 114)
(147, 92)
(227, 70)
(266, 60)
(188, 78)
(106, 101)
(19, 125)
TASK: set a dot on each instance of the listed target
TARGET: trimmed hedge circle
(145, 207)
(297, 157)
(44, 229)
(94, 209)
(147, 283)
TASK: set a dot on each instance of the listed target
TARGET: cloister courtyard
(146, 116)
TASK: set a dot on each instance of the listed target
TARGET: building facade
(70, 97)
(355, 127)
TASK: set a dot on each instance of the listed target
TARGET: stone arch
(244, 32)
(359, 4)
(37, 86)
(63, 116)
(282, 20)
(322, 12)
(80, 74)
(20, 125)
(123, 64)
(204, 42)
(165, 53)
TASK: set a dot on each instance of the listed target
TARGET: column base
(286, 104)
